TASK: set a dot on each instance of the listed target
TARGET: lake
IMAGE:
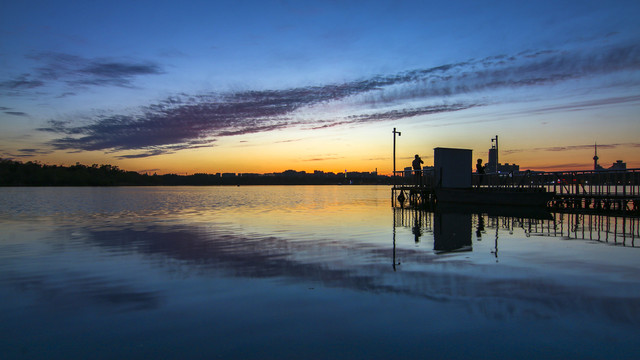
(313, 272)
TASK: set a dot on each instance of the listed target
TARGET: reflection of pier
(585, 191)
(456, 228)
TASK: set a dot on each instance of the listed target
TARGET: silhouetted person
(417, 228)
(401, 198)
(480, 227)
(417, 168)
(480, 171)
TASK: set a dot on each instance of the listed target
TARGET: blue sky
(260, 86)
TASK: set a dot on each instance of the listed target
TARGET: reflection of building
(452, 232)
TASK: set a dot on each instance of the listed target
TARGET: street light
(394, 150)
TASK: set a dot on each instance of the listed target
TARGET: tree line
(16, 173)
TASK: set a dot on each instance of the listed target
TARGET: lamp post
(394, 151)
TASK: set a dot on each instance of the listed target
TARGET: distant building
(408, 171)
(490, 166)
(618, 165)
(507, 168)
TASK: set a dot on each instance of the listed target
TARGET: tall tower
(595, 157)
(493, 164)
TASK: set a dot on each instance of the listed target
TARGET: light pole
(394, 150)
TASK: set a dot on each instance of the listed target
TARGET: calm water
(307, 272)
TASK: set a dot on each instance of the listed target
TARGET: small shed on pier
(453, 167)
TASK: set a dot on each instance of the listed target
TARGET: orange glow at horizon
(256, 160)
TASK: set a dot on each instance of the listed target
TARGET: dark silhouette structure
(480, 170)
(417, 168)
(479, 167)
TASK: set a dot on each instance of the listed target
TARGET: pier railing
(611, 182)
(584, 189)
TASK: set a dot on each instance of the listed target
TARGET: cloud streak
(26, 153)
(77, 72)
(20, 82)
(189, 121)
(571, 148)
(16, 113)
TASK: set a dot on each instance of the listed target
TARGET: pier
(615, 191)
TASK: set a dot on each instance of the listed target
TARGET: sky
(266, 86)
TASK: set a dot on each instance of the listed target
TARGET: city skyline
(263, 87)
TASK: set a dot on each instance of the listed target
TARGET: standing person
(417, 168)
(480, 171)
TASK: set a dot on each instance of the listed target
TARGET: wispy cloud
(10, 111)
(16, 113)
(20, 82)
(143, 155)
(76, 71)
(288, 141)
(408, 113)
(34, 151)
(26, 153)
(330, 157)
(188, 121)
(581, 105)
(571, 148)
(567, 166)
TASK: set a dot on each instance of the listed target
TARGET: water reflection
(451, 226)
(196, 252)
(69, 291)
(525, 281)
(217, 274)
(452, 231)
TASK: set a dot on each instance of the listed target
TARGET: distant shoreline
(31, 174)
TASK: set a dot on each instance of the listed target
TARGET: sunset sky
(266, 86)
